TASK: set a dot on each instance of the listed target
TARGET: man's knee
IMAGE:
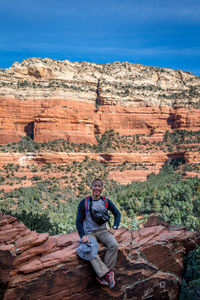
(114, 245)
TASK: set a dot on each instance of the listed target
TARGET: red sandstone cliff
(48, 99)
(51, 99)
(111, 159)
(66, 158)
(39, 266)
(78, 122)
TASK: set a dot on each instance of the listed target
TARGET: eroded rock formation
(65, 158)
(111, 159)
(39, 266)
(49, 99)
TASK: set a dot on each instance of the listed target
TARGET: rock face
(49, 99)
(65, 158)
(39, 266)
(111, 159)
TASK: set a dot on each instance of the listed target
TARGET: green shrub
(35, 221)
(190, 289)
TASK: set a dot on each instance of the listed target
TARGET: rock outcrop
(66, 158)
(153, 161)
(49, 99)
(39, 266)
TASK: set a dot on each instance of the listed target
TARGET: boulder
(39, 266)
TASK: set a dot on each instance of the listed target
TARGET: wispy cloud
(130, 10)
(153, 10)
(77, 48)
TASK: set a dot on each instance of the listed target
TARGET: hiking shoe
(102, 281)
(110, 279)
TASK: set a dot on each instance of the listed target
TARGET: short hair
(97, 179)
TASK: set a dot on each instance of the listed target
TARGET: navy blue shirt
(81, 215)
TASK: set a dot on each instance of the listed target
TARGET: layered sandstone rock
(66, 158)
(112, 83)
(47, 120)
(39, 266)
(49, 99)
(153, 162)
(80, 122)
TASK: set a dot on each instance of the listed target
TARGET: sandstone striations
(39, 266)
(112, 161)
(78, 102)
(65, 158)
(49, 99)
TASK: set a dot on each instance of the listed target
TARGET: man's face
(97, 189)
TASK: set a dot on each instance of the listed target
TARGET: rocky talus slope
(39, 266)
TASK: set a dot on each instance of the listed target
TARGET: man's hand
(85, 239)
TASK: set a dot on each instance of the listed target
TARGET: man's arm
(80, 217)
(116, 213)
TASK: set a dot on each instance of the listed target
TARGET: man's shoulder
(104, 198)
(83, 201)
(107, 201)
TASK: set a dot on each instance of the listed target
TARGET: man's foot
(110, 279)
(102, 281)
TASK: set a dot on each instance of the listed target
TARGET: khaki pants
(106, 238)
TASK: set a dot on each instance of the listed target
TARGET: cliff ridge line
(117, 83)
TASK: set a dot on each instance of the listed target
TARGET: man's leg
(99, 267)
(110, 242)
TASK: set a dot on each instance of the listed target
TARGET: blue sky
(162, 33)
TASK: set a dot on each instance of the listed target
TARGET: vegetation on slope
(111, 141)
(190, 288)
(53, 191)
(50, 201)
(167, 194)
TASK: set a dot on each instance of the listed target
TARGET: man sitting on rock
(88, 225)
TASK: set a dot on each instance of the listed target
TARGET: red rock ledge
(39, 266)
